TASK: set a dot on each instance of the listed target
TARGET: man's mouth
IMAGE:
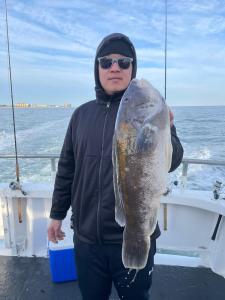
(115, 78)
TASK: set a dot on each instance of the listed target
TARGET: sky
(53, 44)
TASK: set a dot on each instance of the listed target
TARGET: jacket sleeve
(177, 150)
(61, 199)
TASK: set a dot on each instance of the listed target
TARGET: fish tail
(135, 251)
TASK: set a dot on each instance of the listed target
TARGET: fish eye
(126, 99)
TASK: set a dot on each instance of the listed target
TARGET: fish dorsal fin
(119, 209)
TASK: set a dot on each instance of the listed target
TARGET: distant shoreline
(54, 107)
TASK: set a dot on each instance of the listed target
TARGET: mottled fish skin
(142, 154)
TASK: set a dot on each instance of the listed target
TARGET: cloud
(211, 25)
(31, 35)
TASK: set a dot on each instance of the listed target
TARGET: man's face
(115, 79)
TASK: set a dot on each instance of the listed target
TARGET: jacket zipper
(99, 175)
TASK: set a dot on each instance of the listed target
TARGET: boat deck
(29, 278)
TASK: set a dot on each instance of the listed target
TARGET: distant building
(42, 106)
(22, 105)
(28, 105)
(67, 105)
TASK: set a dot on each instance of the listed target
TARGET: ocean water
(41, 131)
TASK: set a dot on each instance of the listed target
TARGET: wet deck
(29, 278)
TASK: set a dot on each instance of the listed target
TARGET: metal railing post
(184, 174)
(53, 168)
(185, 169)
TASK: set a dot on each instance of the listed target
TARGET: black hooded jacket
(84, 179)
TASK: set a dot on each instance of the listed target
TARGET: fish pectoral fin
(119, 210)
(146, 139)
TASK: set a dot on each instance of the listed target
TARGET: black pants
(100, 265)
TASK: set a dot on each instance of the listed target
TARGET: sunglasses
(123, 62)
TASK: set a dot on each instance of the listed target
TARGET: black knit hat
(116, 47)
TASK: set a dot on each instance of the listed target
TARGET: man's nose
(115, 66)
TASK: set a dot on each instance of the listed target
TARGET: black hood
(100, 93)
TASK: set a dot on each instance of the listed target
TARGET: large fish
(142, 153)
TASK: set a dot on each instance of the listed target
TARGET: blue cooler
(62, 264)
(61, 255)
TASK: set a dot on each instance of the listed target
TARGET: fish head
(140, 101)
(144, 112)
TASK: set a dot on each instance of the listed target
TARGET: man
(85, 181)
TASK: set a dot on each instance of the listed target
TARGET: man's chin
(117, 90)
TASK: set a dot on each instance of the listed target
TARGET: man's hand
(55, 233)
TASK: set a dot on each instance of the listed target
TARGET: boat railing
(184, 165)
(54, 157)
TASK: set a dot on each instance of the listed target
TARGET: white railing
(54, 157)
